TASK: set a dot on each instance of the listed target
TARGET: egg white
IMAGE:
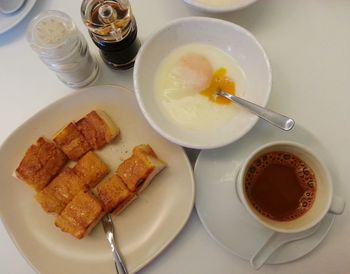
(186, 107)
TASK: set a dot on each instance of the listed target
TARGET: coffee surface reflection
(280, 186)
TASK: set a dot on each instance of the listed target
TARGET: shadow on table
(20, 29)
(192, 155)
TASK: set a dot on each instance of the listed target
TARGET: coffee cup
(317, 183)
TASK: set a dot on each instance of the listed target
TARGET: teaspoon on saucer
(10, 6)
(109, 230)
(276, 119)
(276, 241)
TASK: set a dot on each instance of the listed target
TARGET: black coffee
(280, 186)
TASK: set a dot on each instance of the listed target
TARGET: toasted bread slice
(120, 207)
(86, 173)
(40, 164)
(138, 171)
(144, 149)
(91, 169)
(97, 128)
(80, 215)
(114, 194)
(56, 195)
(72, 142)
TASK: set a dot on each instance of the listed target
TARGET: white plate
(219, 6)
(8, 21)
(219, 209)
(144, 229)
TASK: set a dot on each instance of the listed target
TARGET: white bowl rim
(214, 9)
(137, 87)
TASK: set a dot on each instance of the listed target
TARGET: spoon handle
(270, 116)
(264, 253)
(275, 241)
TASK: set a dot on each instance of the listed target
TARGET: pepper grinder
(112, 27)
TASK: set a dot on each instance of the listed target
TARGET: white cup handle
(337, 205)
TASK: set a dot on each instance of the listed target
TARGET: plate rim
(20, 16)
(165, 244)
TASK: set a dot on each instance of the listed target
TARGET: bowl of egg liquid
(216, 6)
(180, 68)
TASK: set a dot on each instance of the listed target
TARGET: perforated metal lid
(52, 34)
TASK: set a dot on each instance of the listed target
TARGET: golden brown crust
(91, 169)
(95, 130)
(113, 192)
(120, 208)
(138, 170)
(134, 171)
(40, 164)
(80, 215)
(144, 148)
(72, 142)
(55, 196)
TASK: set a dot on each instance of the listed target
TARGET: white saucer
(219, 209)
(8, 21)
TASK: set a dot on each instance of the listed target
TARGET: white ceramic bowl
(224, 7)
(232, 39)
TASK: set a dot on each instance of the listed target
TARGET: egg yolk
(219, 81)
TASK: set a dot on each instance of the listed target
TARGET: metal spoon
(109, 230)
(10, 6)
(270, 116)
(276, 241)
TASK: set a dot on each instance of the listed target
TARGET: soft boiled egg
(186, 83)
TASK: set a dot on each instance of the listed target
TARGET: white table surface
(308, 43)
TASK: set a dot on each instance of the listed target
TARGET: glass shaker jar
(62, 47)
(113, 29)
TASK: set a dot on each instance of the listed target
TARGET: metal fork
(109, 230)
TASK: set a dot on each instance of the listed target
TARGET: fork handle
(118, 261)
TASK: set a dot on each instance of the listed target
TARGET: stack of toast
(78, 195)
